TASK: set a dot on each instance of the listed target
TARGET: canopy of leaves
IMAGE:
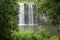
(51, 8)
(8, 18)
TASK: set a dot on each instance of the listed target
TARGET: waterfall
(21, 15)
(31, 21)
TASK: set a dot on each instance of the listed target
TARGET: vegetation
(29, 35)
(8, 18)
(51, 9)
(42, 34)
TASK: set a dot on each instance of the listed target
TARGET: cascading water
(21, 15)
(31, 21)
(26, 19)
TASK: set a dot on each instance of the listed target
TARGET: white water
(31, 21)
(21, 15)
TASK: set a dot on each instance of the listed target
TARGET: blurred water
(21, 15)
(27, 17)
(31, 20)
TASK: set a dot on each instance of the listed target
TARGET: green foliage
(42, 34)
(27, 1)
(54, 37)
(8, 18)
(51, 9)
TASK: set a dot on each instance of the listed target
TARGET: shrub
(54, 37)
(8, 18)
(42, 34)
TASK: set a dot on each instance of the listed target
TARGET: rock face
(44, 19)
